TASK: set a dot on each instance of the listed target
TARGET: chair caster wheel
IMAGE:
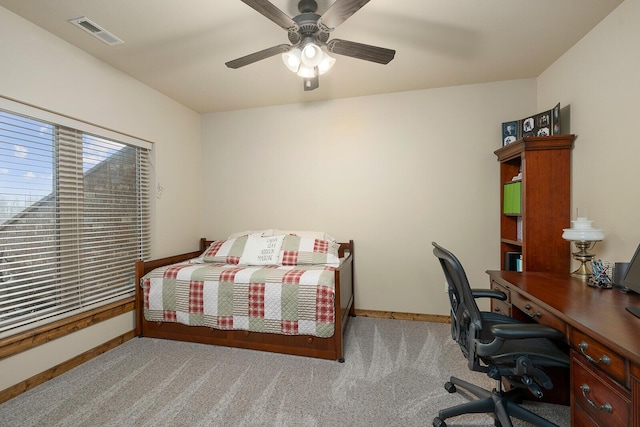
(439, 422)
(450, 387)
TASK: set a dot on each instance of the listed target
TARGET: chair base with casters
(499, 402)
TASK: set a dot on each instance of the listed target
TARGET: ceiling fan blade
(339, 12)
(367, 52)
(258, 56)
(269, 10)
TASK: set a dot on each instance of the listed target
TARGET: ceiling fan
(308, 33)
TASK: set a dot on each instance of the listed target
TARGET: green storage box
(512, 198)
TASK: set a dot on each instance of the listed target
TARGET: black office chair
(499, 346)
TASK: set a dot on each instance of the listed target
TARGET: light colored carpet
(393, 376)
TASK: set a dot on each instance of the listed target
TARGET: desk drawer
(596, 354)
(498, 287)
(501, 307)
(606, 402)
(498, 306)
(537, 313)
(581, 418)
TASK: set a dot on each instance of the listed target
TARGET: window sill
(23, 341)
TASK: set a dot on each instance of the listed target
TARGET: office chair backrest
(466, 320)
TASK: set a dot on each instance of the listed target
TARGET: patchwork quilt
(280, 299)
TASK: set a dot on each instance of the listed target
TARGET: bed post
(139, 272)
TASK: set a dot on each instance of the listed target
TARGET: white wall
(598, 78)
(392, 172)
(42, 70)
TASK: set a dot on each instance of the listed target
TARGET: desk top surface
(600, 313)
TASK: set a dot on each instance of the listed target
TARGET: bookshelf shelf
(511, 242)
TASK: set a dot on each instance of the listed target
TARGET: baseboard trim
(63, 367)
(434, 318)
(26, 340)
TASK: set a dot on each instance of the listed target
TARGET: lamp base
(585, 271)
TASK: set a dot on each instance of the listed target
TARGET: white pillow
(264, 233)
(262, 250)
(320, 235)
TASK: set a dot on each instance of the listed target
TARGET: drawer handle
(537, 314)
(606, 407)
(604, 358)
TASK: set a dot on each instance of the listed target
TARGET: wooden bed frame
(302, 345)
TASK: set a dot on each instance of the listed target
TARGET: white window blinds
(74, 216)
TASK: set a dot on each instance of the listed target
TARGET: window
(74, 215)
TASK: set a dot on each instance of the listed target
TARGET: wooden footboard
(302, 345)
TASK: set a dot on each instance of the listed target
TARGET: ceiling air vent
(96, 30)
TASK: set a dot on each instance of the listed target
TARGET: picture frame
(509, 132)
(555, 120)
(543, 124)
(546, 123)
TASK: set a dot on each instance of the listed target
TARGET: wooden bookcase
(545, 163)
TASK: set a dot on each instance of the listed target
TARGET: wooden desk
(603, 337)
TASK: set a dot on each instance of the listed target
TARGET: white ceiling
(180, 47)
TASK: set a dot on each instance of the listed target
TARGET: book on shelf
(512, 198)
(513, 261)
(519, 229)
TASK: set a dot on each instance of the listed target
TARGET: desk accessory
(585, 237)
(600, 278)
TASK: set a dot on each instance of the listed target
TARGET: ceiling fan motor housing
(307, 6)
(308, 27)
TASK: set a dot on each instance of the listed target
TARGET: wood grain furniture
(545, 167)
(602, 337)
(301, 345)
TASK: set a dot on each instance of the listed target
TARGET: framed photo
(543, 124)
(528, 126)
(509, 132)
(555, 120)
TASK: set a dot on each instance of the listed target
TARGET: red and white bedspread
(289, 300)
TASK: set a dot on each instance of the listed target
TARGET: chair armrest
(525, 330)
(489, 293)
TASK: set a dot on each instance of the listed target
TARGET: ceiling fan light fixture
(292, 60)
(311, 55)
(307, 72)
(326, 63)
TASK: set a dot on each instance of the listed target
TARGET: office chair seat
(540, 350)
(505, 349)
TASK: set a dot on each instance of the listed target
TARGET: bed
(174, 317)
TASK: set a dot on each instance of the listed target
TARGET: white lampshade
(292, 59)
(307, 72)
(326, 63)
(311, 55)
(581, 230)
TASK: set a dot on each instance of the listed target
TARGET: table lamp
(585, 237)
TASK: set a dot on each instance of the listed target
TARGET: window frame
(26, 336)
